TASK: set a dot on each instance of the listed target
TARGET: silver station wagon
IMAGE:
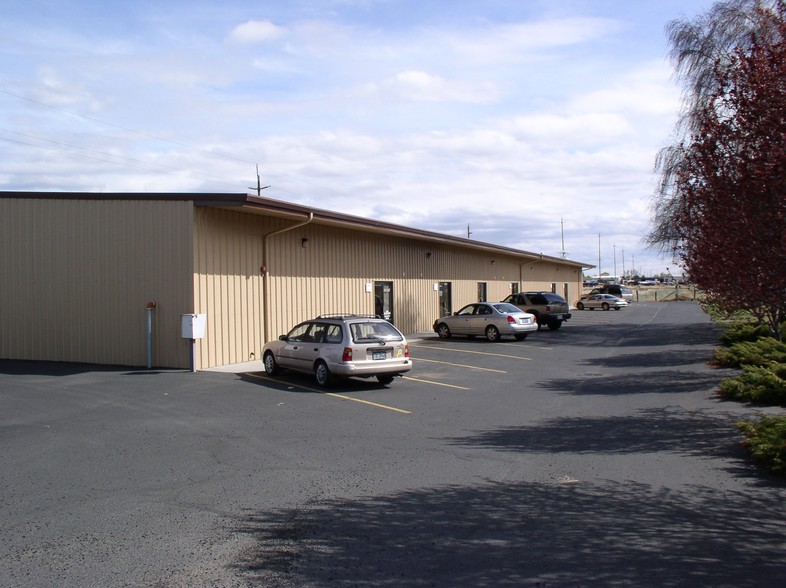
(487, 319)
(345, 345)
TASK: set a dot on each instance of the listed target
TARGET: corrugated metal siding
(228, 250)
(82, 273)
(330, 275)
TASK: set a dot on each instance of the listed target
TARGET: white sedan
(489, 319)
(604, 301)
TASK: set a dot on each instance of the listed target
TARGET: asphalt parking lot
(592, 455)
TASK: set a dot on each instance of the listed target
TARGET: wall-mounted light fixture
(304, 242)
(493, 261)
(428, 255)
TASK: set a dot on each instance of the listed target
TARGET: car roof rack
(346, 315)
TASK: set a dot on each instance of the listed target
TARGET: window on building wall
(554, 287)
(482, 290)
(565, 292)
(514, 287)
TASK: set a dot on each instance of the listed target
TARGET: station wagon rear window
(373, 331)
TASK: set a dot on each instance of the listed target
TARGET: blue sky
(509, 116)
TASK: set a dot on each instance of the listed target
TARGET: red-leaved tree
(726, 218)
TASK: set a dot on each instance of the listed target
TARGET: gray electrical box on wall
(193, 325)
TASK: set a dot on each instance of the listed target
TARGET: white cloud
(509, 122)
(420, 86)
(570, 131)
(256, 31)
(519, 42)
(646, 90)
(55, 89)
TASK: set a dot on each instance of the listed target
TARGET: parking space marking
(435, 383)
(471, 367)
(376, 404)
(476, 352)
(333, 394)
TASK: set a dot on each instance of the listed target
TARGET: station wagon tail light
(406, 350)
(347, 355)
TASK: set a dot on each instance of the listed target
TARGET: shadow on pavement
(669, 429)
(15, 367)
(523, 534)
(304, 384)
(654, 359)
(660, 382)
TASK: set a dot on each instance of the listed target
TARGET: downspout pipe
(266, 272)
(532, 261)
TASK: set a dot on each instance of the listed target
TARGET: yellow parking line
(471, 367)
(435, 383)
(343, 397)
(476, 352)
(385, 406)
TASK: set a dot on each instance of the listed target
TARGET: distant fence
(661, 294)
(665, 294)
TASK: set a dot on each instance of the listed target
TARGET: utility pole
(562, 231)
(468, 231)
(615, 260)
(259, 187)
(598, 256)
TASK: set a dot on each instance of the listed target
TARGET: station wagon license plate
(379, 355)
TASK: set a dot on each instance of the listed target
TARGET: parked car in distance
(604, 301)
(549, 309)
(613, 289)
(489, 319)
(344, 346)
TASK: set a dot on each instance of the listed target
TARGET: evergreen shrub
(766, 440)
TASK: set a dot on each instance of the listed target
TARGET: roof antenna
(469, 233)
(259, 187)
(562, 229)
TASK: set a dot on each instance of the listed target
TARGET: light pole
(615, 260)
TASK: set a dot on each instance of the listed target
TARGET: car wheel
(492, 333)
(554, 324)
(537, 317)
(443, 331)
(271, 367)
(580, 305)
(605, 306)
(322, 373)
(384, 380)
(617, 307)
(521, 336)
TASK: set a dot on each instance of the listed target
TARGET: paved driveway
(593, 455)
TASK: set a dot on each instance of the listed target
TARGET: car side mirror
(282, 337)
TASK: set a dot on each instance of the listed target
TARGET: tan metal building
(106, 278)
